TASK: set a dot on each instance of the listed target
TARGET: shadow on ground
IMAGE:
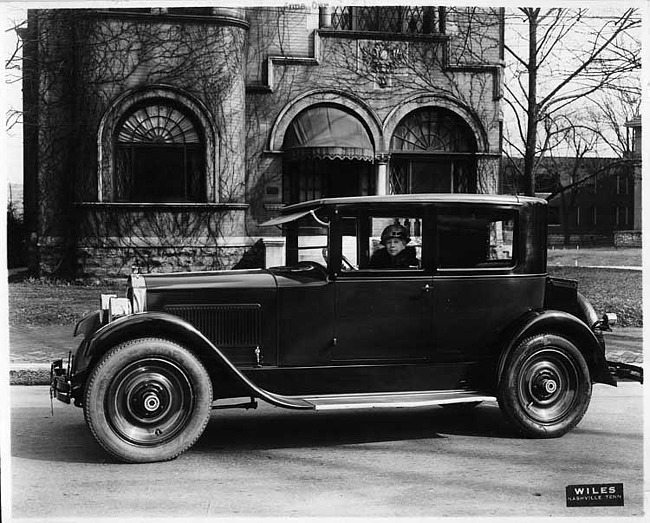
(66, 439)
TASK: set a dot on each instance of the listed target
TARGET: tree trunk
(531, 130)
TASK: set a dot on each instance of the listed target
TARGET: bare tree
(569, 56)
(13, 69)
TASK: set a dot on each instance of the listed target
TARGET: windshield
(307, 239)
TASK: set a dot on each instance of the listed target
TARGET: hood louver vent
(227, 326)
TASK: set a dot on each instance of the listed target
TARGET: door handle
(426, 288)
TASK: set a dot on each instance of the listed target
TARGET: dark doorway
(311, 179)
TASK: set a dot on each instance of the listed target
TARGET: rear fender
(168, 326)
(567, 325)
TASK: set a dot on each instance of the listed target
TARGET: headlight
(114, 307)
(610, 319)
(137, 292)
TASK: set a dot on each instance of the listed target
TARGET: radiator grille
(224, 325)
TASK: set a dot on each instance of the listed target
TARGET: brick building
(163, 137)
(599, 204)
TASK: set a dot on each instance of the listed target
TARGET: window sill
(380, 35)
(163, 206)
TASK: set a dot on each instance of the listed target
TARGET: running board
(393, 399)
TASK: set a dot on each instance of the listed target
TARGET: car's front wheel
(147, 400)
(545, 387)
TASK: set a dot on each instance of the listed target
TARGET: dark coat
(382, 260)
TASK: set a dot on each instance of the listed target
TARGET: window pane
(475, 240)
(389, 19)
(311, 243)
(350, 243)
(381, 242)
(160, 156)
(395, 242)
(430, 177)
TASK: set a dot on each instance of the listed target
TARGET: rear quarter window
(477, 239)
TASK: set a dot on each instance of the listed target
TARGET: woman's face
(394, 246)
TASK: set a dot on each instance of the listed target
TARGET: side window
(381, 243)
(309, 240)
(475, 239)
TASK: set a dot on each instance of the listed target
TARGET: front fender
(165, 325)
(588, 343)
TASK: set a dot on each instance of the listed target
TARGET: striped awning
(325, 132)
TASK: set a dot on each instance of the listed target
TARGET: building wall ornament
(382, 59)
(382, 157)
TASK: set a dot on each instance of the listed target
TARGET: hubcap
(149, 401)
(548, 385)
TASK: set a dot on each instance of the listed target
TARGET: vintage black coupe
(383, 301)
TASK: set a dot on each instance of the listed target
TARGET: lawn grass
(36, 302)
(595, 257)
(609, 290)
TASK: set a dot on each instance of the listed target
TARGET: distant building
(163, 137)
(600, 201)
(15, 199)
(635, 125)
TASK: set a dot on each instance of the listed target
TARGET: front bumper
(61, 381)
(625, 371)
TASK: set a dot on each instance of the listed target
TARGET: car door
(382, 314)
(477, 286)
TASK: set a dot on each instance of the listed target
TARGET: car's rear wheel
(148, 400)
(545, 387)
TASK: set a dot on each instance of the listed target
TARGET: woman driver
(396, 253)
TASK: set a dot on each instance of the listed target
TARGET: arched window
(328, 153)
(159, 155)
(433, 150)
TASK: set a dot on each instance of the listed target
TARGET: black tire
(147, 400)
(545, 388)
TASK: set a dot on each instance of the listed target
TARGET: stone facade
(236, 81)
(628, 239)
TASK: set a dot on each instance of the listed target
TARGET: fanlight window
(432, 151)
(433, 130)
(159, 156)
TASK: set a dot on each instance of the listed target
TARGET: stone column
(274, 252)
(487, 175)
(381, 172)
(232, 36)
(325, 21)
(56, 141)
(638, 202)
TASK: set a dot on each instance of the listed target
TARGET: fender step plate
(394, 399)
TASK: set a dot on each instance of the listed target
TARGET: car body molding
(162, 324)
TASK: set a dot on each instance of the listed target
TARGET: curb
(39, 373)
(551, 265)
(29, 374)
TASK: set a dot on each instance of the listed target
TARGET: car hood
(241, 279)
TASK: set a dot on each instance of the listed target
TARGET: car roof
(440, 198)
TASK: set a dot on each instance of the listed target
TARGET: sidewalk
(32, 348)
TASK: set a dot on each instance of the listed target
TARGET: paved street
(273, 462)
